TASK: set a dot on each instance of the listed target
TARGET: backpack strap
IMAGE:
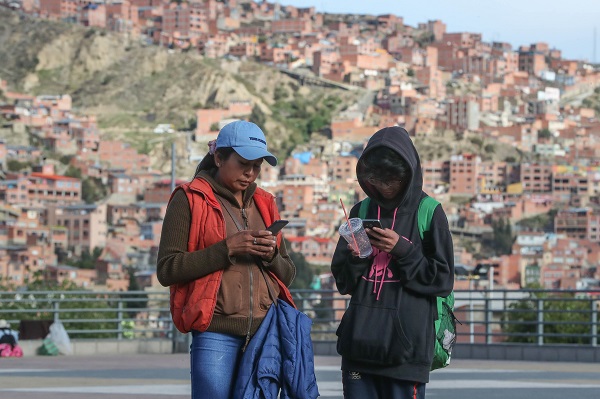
(425, 214)
(364, 206)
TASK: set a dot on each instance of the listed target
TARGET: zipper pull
(246, 343)
(245, 218)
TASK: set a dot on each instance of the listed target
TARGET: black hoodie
(388, 327)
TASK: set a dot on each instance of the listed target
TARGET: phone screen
(277, 226)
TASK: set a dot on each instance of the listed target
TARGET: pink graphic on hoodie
(379, 267)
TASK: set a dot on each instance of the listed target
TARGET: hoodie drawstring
(381, 260)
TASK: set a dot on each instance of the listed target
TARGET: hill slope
(131, 87)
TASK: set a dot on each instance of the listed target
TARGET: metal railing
(535, 317)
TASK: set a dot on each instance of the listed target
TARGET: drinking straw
(348, 222)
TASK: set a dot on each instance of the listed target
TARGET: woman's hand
(252, 242)
(353, 250)
(383, 239)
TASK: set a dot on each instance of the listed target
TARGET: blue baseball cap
(247, 140)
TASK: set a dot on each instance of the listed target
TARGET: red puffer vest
(193, 303)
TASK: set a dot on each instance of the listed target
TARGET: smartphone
(370, 223)
(277, 226)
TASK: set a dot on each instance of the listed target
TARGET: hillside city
(523, 203)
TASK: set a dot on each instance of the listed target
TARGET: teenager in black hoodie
(386, 337)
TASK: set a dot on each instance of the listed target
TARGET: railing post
(173, 330)
(594, 323)
(488, 318)
(120, 319)
(540, 322)
(56, 311)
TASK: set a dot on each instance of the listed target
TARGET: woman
(386, 337)
(213, 242)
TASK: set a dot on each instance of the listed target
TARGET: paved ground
(166, 376)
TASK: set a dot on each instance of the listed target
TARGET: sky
(567, 25)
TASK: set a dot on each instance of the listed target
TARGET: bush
(565, 322)
(15, 166)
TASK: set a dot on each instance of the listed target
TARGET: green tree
(489, 148)
(16, 166)
(82, 308)
(424, 38)
(503, 238)
(317, 122)
(279, 93)
(304, 271)
(87, 260)
(565, 321)
(541, 222)
(73, 172)
(92, 190)
(477, 141)
(65, 159)
(140, 302)
(258, 116)
(544, 134)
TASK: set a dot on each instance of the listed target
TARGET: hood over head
(398, 140)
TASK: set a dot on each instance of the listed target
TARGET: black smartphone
(277, 226)
(370, 223)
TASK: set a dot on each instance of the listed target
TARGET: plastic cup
(360, 235)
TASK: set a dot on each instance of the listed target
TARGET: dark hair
(383, 163)
(208, 162)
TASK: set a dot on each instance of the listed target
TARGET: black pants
(368, 386)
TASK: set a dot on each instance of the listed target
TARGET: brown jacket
(242, 299)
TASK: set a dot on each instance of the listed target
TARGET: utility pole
(173, 166)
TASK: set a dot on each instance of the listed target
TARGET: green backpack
(445, 325)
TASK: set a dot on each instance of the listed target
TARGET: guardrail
(530, 317)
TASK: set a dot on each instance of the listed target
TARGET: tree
(73, 172)
(316, 123)
(489, 148)
(503, 238)
(304, 272)
(544, 134)
(97, 309)
(16, 166)
(258, 117)
(542, 222)
(138, 304)
(87, 260)
(424, 38)
(92, 190)
(565, 321)
(279, 94)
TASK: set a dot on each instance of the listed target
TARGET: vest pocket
(373, 335)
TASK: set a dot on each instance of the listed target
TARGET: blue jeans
(214, 360)
(361, 385)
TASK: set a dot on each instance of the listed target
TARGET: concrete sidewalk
(167, 376)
